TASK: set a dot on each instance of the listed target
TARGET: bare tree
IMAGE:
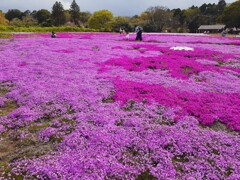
(160, 17)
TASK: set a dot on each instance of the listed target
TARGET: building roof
(211, 27)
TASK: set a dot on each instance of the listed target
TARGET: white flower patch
(182, 48)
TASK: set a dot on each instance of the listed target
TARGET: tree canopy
(153, 19)
(159, 17)
(100, 20)
(58, 14)
(231, 15)
(84, 17)
(14, 13)
(3, 20)
(42, 15)
(75, 12)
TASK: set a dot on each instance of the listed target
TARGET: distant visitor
(53, 35)
(121, 30)
(139, 31)
(224, 33)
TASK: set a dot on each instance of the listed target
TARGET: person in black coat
(53, 35)
(139, 31)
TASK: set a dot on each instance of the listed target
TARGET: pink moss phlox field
(205, 106)
(179, 64)
(107, 108)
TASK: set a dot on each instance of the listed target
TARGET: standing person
(120, 30)
(139, 30)
(223, 33)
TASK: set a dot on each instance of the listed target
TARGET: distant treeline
(4, 28)
(154, 19)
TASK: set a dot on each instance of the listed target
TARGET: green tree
(84, 17)
(231, 15)
(203, 8)
(3, 20)
(29, 21)
(221, 6)
(160, 17)
(146, 22)
(194, 24)
(58, 14)
(67, 15)
(191, 13)
(33, 13)
(42, 16)
(120, 21)
(14, 13)
(209, 13)
(101, 20)
(136, 20)
(75, 12)
(179, 16)
(192, 18)
(16, 22)
(27, 12)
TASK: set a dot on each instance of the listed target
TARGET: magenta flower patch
(95, 106)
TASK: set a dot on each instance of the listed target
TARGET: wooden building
(211, 28)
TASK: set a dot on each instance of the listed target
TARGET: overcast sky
(118, 7)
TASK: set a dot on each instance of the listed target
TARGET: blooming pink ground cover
(95, 106)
